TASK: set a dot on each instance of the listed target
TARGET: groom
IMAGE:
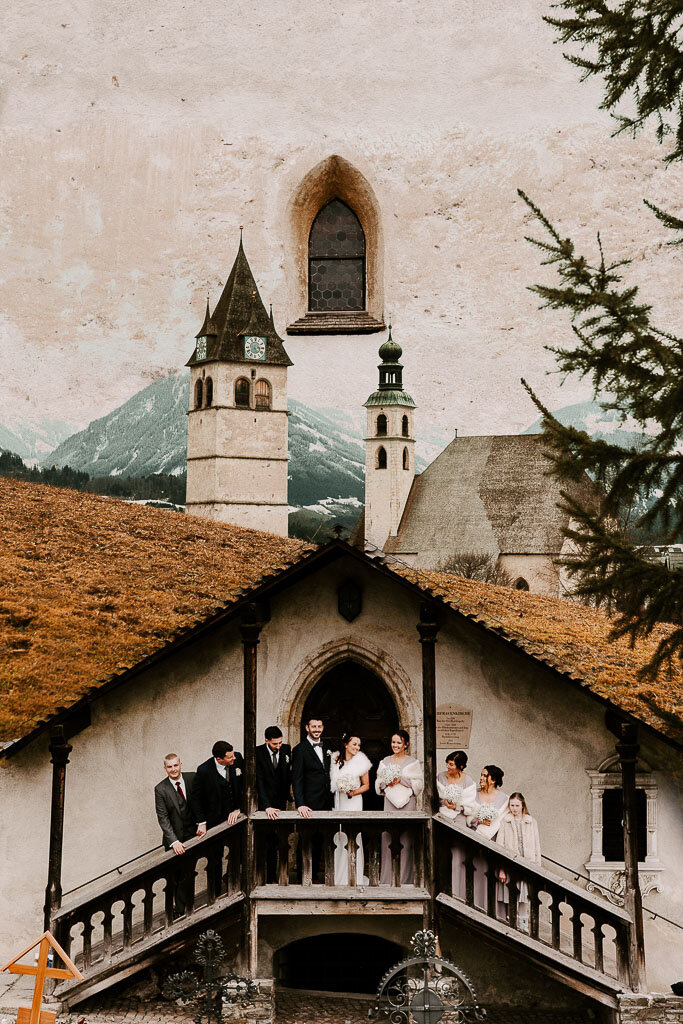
(311, 771)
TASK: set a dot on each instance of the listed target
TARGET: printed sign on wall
(453, 726)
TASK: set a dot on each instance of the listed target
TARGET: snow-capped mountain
(32, 440)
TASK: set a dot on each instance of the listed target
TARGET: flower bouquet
(346, 784)
(452, 792)
(485, 814)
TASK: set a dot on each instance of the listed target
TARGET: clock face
(254, 347)
(201, 348)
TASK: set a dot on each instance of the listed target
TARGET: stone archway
(378, 661)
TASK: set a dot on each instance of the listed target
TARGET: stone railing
(101, 923)
(531, 901)
(294, 851)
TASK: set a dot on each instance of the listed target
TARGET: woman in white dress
(518, 834)
(491, 803)
(349, 779)
(400, 780)
(457, 794)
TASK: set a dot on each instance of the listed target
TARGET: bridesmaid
(490, 804)
(519, 835)
(456, 811)
(400, 795)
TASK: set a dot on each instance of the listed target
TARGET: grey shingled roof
(489, 494)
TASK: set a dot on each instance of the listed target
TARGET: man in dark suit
(173, 804)
(273, 773)
(217, 792)
(311, 771)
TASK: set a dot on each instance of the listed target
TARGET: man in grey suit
(172, 800)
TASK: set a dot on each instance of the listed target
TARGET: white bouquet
(346, 784)
(452, 793)
(486, 814)
(386, 774)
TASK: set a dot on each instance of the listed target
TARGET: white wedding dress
(352, 769)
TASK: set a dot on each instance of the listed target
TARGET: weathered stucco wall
(136, 139)
(542, 733)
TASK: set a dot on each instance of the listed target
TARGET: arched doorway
(341, 962)
(351, 697)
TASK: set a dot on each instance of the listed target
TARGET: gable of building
(486, 494)
(94, 588)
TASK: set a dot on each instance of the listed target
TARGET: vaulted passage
(351, 698)
(336, 963)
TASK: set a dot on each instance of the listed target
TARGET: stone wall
(653, 1009)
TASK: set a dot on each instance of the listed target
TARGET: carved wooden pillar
(60, 750)
(627, 748)
(427, 628)
(250, 630)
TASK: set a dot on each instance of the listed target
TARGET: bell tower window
(404, 427)
(242, 389)
(336, 260)
(406, 459)
(198, 394)
(381, 460)
(262, 394)
(208, 391)
(381, 425)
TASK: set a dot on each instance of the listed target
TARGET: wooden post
(250, 630)
(627, 748)
(427, 629)
(60, 750)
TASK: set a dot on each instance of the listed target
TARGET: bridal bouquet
(452, 793)
(486, 814)
(386, 775)
(346, 784)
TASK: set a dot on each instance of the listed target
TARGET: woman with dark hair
(457, 791)
(349, 779)
(490, 804)
(400, 780)
(519, 835)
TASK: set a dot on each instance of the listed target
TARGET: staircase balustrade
(292, 851)
(103, 923)
(552, 911)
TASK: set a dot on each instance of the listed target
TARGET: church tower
(389, 449)
(237, 424)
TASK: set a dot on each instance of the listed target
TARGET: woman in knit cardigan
(518, 834)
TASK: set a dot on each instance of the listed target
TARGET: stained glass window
(336, 260)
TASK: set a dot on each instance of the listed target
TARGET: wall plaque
(453, 726)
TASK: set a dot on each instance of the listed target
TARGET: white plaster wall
(542, 733)
(136, 138)
(540, 572)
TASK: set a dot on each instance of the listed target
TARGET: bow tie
(317, 744)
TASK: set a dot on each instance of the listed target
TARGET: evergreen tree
(635, 367)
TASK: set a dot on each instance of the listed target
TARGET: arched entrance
(341, 962)
(352, 697)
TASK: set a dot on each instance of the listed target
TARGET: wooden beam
(427, 629)
(627, 748)
(60, 750)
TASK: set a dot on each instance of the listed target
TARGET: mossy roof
(92, 586)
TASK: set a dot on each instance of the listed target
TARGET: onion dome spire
(390, 390)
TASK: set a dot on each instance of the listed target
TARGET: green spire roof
(239, 311)
(390, 390)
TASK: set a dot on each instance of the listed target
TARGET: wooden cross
(41, 971)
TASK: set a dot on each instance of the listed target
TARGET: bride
(349, 779)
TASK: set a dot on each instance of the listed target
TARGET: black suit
(174, 814)
(311, 778)
(177, 821)
(213, 796)
(273, 784)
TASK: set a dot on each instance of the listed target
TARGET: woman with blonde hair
(518, 834)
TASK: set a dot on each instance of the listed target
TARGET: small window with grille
(262, 394)
(242, 393)
(336, 260)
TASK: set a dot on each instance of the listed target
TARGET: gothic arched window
(208, 391)
(198, 394)
(242, 393)
(381, 425)
(262, 394)
(406, 459)
(336, 260)
(381, 460)
(404, 427)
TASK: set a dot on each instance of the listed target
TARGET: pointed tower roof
(390, 390)
(208, 328)
(240, 311)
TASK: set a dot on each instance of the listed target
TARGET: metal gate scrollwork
(426, 988)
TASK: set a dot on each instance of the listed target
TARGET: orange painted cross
(41, 970)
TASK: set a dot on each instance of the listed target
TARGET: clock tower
(389, 449)
(237, 456)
